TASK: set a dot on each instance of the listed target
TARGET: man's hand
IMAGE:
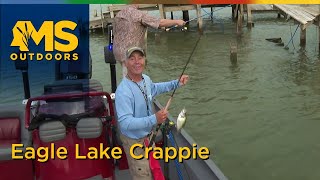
(171, 23)
(183, 80)
(161, 116)
(180, 22)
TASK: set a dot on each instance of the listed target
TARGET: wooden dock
(304, 15)
(99, 23)
(162, 8)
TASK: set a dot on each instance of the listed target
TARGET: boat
(70, 116)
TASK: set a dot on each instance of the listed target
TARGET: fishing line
(286, 47)
(317, 30)
(168, 29)
(185, 67)
(211, 15)
(214, 10)
(294, 48)
(206, 13)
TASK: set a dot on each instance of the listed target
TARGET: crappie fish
(181, 120)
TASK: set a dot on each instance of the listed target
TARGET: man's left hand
(183, 80)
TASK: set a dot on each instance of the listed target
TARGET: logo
(24, 33)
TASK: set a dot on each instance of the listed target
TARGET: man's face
(135, 64)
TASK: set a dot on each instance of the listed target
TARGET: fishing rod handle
(168, 104)
(168, 29)
(154, 133)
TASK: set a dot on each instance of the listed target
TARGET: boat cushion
(89, 128)
(10, 132)
(52, 131)
(15, 112)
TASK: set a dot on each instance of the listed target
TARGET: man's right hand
(161, 116)
(181, 22)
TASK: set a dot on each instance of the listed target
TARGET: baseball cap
(132, 49)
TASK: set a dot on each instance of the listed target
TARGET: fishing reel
(168, 126)
(180, 123)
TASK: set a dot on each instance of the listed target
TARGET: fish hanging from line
(181, 120)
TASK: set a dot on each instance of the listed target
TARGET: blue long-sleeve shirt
(133, 118)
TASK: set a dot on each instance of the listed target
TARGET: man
(130, 28)
(133, 103)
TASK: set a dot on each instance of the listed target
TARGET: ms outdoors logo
(24, 31)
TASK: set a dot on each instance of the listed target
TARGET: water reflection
(235, 71)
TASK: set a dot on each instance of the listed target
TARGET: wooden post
(233, 9)
(161, 11)
(249, 16)
(185, 15)
(319, 32)
(95, 13)
(199, 17)
(240, 18)
(171, 14)
(303, 33)
(111, 14)
(242, 11)
(111, 11)
(233, 53)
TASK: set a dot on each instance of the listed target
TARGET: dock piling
(233, 53)
(240, 19)
(303, 34)
(319, 34)
(234, 12)
(185, 15)
(249, 16)
(161, 11)
(199, 18)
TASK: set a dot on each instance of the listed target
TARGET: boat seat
(76, 139)
(52, 131)
(10, 130)
(89, 128)
(13, 131)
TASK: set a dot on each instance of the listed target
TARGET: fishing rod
(206, 13)
(168, 29)
(185, 67)
(166, 134)
(154, 134)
